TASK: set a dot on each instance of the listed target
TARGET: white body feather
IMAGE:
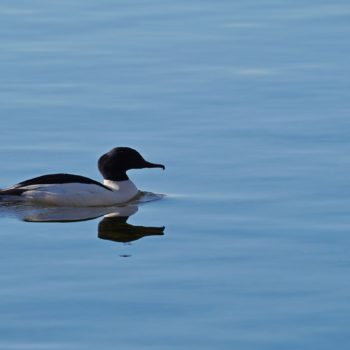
(80, 194)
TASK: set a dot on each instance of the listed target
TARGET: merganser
(75, 190)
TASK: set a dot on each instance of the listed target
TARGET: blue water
(247, 104)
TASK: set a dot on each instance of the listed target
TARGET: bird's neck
(126, 186)
(118, 176)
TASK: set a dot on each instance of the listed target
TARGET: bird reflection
(113, 226)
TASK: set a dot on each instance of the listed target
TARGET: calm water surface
(247, 104)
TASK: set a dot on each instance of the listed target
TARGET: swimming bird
(75, 190)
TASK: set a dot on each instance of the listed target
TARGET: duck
(79, 191)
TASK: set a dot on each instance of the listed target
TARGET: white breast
(81, 194)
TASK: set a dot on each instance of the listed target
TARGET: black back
(51, 180)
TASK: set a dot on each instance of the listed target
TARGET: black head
(114, 164)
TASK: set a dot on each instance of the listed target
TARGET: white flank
(80, 194)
